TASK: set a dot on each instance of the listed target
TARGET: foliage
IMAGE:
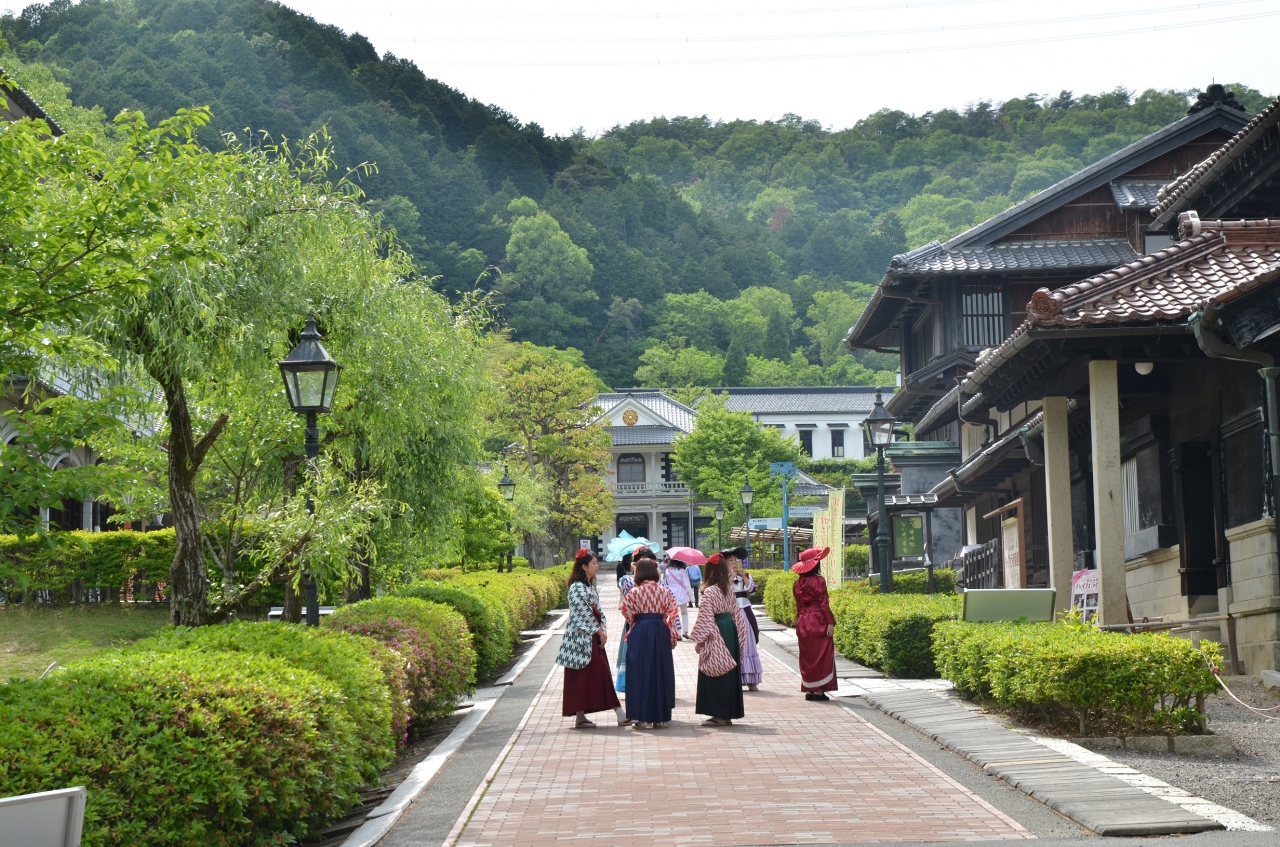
(432, 637)
(487, 618)
(891, 632)
(723, 451)
(1073, 677)
(187, 749)
(857, 558)
(88, 560)
(779, 599)
(762, 577)
(561, 574)
(944, 582)
(346, 661)
(527, 595)
(37, 635)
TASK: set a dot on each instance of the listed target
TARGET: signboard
(908, 536)
(1085, 587)
(765, 523)
(828, 531)
(803, 511)
(1011, 551)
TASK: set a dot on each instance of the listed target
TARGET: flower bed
(1074, 678)
(891, 632)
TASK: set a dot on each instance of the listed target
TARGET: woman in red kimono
(815, 626)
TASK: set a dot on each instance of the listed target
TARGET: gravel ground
(1249, 782)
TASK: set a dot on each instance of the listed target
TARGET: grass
(31, 638)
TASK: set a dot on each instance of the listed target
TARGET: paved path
(792, 772)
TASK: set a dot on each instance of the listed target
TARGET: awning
(984, 471)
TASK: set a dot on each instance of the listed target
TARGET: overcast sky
(591, 64)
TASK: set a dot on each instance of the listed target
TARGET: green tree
(735, 365)
(548, 286)
(676, 365)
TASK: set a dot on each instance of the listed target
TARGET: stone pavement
(791, 772)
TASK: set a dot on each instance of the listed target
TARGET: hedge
(857, 558)
(779, 601)
(527, 595)
(185, 749)
(370, 677)
(486, 617)
(431, 636)
(917, 582)
(89, 560)
(762, 576)
(1073, 677)
(891, 632)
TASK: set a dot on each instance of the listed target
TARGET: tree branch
(203, 445)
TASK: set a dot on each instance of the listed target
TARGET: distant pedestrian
(815, 626)
(744, 586)
(695, 582)
(720, 637)
(676, 579)
(651, 613)
(588, 685)
(626, 582)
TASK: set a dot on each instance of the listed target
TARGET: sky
(592, 64)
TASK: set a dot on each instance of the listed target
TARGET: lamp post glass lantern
(748, 494)
(719, 526)
(311, 381)
(879, 426)
(508, 488)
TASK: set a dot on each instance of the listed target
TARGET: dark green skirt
(721, 696)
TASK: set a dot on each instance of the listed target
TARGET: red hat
(810, 559)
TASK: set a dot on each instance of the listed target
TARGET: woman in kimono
(751, 671)
(720, 637)
(626, 582)
(650, 610)
(815, 626)
(588, 685)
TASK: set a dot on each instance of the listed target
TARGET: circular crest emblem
(630, 417)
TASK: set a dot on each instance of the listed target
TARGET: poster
(828, 531)
(1085, 586)
(1011, 551)
(908, 537)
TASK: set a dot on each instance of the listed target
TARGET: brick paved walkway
(791, 772)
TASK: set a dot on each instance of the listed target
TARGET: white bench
(47, 819)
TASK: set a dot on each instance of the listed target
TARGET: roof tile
(1019, 256)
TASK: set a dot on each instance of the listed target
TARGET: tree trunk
(188, 575)
(292, 612)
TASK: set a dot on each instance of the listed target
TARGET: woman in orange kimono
(815, 626)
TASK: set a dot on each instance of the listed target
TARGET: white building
(827, 422)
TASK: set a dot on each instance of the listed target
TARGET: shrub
(89, 560)
(1076, 678)
(944, 582)
(185, 749)
(377, 710)
(779, 601)
(526, 595)
(560, 573)
(857, 558)
(762, 577)
(431, 636)
(891, 632)
(486, 617)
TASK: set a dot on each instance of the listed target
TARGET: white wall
(821, 432)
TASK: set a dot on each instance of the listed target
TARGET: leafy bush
(891, 632)
(762, 577)
(917, 582)
(89, 559)
(487, 619)
(378, 711)
(779, 601)
(857, 558)
(1079, 679)
(526, 595)
(185, 749)
(431, 636)
(561, 574)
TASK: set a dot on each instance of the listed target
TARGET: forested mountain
(670, 251)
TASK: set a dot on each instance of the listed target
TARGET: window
(637, 525)
(806, 441)
(983, 313)
(837, 443)
(631, 467)
(678, 532)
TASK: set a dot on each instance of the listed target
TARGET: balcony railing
(649, 489)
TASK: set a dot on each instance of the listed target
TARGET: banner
(828, 531)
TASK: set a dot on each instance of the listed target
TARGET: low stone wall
(1254, 595)
(1154, 585)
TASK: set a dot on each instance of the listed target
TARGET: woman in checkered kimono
(588, 684)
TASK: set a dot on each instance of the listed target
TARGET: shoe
(753, 687)
(817, 698)
(660, 725)
(584, 724)
(717, 722)
(643, 725)
(627, 722)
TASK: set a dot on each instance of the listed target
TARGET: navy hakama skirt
(651, 672)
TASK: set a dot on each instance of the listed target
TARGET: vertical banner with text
(828, 531)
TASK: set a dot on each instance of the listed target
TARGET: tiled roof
(1223, 260)
(1017, 256)
(675, 412)
(626, 436)
(24, 101)
(1137, 193)
(1178, 194)
(837, 400)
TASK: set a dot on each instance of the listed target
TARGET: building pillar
(86, 514)
(1057, 497)
(1108, 498)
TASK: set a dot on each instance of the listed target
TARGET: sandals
(584, 724)
(820, 698)
(627, 722)
(717, 722)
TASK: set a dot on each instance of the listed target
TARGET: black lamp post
(508, 488)
(310, 379)
(879, 426)
(748, 494)
(719, 526)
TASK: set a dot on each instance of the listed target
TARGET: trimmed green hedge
(92, 559)
(1079, 679)
(527, 595)
(185, 748)
(857, 558)
(350, 662)
(762, 576)
(779, 601)
(487, 619)
(431, 636)
(891, 632)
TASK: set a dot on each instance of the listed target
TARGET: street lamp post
(508, 488)
(719, 526)
(311, 380)
(748, 494)
(879, 426)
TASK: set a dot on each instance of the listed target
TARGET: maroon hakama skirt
(817, 654)
(590, 689)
